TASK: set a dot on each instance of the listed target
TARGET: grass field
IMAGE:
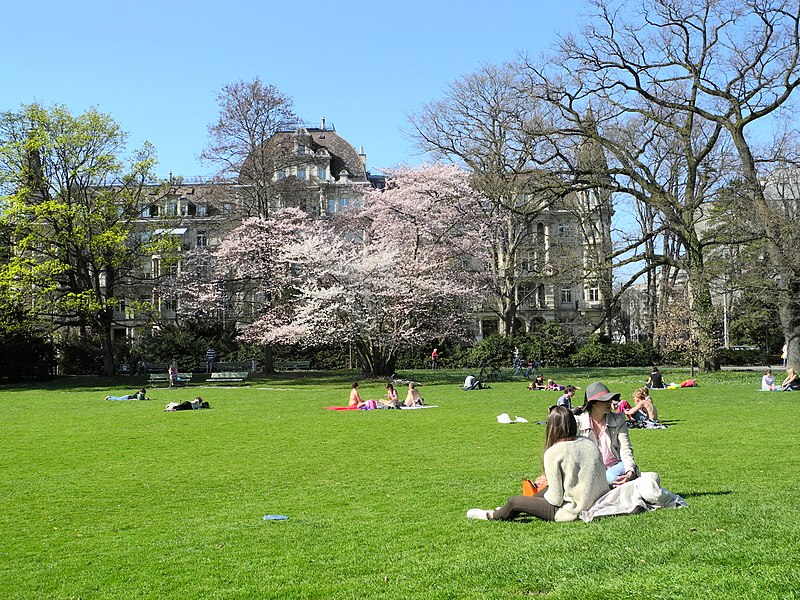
(121, 500)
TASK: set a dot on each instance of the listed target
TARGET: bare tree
(487, 123)
(698, 73)
(251, 113)
(738, 62)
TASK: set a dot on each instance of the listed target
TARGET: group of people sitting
(641, 414)
(586, 455)
(790, 384)
(539, 383)
(390, 399)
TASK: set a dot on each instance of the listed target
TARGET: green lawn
(118, 500)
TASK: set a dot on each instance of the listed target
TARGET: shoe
(478, 513)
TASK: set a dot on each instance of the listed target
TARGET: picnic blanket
(640, 495)
(402, 407)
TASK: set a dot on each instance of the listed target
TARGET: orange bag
(529, 488)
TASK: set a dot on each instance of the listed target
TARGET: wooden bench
(228, 376)
(234, 366)
(180, 379)
(292, 365)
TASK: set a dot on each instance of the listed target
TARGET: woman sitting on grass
(768, 382)
(792, 381)
(538, 383)
(642, 409)
(574, 474)
(391, 397)
(413, 397)
(609, 432)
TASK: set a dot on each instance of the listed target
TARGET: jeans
(615, 471)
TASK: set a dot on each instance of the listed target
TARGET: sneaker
(478, 513)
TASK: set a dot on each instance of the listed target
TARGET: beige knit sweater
(576, 477)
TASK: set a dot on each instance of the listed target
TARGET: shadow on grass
(697, 494)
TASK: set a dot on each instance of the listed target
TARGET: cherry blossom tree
(384, 275)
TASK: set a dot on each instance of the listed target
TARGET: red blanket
(341, 408)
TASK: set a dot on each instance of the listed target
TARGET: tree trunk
(703, 312)
(789, 311)
(375, 360)
(106, 343)
(269, 366)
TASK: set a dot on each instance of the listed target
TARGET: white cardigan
(576, 477)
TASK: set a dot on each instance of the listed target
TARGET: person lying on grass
(609, 431)
(573, 473)
(140, 395)
(195, 404)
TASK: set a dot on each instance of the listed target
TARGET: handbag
(529, 488)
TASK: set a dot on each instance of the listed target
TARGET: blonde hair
(640, 394)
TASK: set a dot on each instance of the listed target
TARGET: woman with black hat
(574, 472)
(609, 431)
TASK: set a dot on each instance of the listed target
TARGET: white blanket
(416, 407)
(640, 495)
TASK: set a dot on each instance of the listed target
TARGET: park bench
(234, 366)
(228, 376)
(180, 379)
(292, 365)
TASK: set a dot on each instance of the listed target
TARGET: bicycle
(489, 373)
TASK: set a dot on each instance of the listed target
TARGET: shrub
(599, 352)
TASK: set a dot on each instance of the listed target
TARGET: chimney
(322, 124)
(363, 156)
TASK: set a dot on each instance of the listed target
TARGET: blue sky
(156, 66)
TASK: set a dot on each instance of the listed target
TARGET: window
(172, 209)
(563, 230)
(594, 294)
(155, 265)
(301, 149)
(344, 202)
(540, 233)
(321, 172)
(226, 207)
(202, 240)
(566, 295)
(202, 210)
(331, 205)
(301, 173)
(281, 174)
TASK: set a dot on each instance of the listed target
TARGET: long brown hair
(561, 426)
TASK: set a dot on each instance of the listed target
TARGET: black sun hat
(598, 392)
